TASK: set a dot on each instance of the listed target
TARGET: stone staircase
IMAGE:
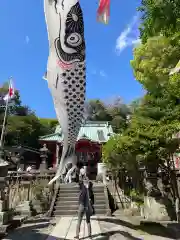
(67, 200)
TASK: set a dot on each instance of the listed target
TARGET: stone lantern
(44, 157)
(15, 158)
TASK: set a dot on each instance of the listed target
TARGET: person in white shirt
(82, 171)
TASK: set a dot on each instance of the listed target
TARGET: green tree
(115, 112)
(160, 17)
(160, 107)
(119, 113)
(48, 124)
(146, 142)
(22, 125)
(24, 130)
(96, 111)
(153, 62)
(148, 139)
(135, 104)
(174, 86)
(15, 106)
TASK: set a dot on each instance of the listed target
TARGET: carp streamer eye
(74, 39)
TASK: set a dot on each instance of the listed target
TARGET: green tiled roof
(51, 137)
(94, 131)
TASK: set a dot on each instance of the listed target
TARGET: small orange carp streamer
(103, 11)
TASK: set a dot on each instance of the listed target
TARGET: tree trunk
(151, 181)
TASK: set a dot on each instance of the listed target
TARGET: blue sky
(24, 51)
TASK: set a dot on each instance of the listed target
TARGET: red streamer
(103, 11)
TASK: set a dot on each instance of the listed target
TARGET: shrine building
(92, 135)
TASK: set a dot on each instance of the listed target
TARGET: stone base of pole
(43, 165)
(5, 216)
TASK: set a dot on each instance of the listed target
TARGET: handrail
(108, 210)
(57, 187)
(32, 172)
(21, 147)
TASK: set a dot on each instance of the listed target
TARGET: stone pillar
(102, 172)
(3, 194)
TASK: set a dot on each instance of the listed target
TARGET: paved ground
(37, 230)
(103, 228)
(117, 229)
(66, 229)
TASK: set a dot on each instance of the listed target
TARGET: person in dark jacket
(86, 202)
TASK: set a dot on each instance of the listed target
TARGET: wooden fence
(23, 186)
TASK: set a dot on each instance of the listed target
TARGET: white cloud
(27, 39)
(128, 37)
(102, 73)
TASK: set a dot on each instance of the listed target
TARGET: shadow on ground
(35, 232)
(151, 228)
(108, 235)
(26, 232)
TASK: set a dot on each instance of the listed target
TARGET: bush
(137, 197)
(42, 194)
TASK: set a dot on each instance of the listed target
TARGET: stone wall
(155, 210)
(152, 209)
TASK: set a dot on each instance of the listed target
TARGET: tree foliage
(149, 138)
(23, 130)
(22, 125)
(159, 17)
(115, 112)
(48, 125)
(153, 61)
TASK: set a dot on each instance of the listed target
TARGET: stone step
(75, 207)
(76, 185)
(67, 200)
(77, 188)
(74, 212)
(77, 191)
(68, 185)
(68, 189)
(67, 203)
(71, 198)
(76, 199)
